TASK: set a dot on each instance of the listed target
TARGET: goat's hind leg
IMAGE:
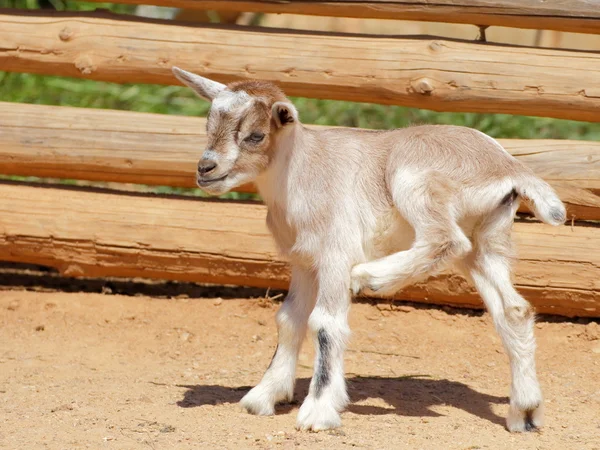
(426, 204)
(489, 269)
(277, 383)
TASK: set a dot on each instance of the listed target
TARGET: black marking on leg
(529, 425)
(322, 375)
(273, 358)
(509, 198)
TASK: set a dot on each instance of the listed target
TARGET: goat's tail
(541, 199)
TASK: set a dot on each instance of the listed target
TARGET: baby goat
(371, 211)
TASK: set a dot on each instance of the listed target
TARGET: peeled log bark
(98, 234)
(430, 73)
(156, 149)
(577, 16)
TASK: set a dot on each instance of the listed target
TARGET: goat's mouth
(203, 182)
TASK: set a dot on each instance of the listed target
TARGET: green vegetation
(67, 5)
(50, 90)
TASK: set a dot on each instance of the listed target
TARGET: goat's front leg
(277, 384)
(328, 325)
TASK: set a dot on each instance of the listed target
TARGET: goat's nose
(206, 166)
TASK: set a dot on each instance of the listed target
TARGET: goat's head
(242, 126)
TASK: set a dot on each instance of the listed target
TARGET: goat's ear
(284, 113)
(205, 88)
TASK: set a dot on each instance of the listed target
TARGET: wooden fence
(83, 232)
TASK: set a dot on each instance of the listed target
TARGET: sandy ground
(107, 371)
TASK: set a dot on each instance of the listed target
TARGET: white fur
(277, 383)
(203, 87)
(227, 101)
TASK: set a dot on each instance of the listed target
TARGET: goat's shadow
(407, 396)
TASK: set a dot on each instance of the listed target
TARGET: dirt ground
(82, 370)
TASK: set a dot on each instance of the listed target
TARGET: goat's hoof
(359, 279)
(315, 416)
(520, 421)
(258, 403)
(362, 279)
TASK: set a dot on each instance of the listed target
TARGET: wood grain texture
(155, 149)
(578, 16)
(435, 74)
(99, 234)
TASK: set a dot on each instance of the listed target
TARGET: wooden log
(577, 16)
(156, 149)
(99, 234)
(436, 74)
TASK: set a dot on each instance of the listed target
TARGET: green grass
(51, 90)
(69, 5)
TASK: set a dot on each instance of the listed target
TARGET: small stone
(405, 308)
(218, 301)
(256, 338)
(65, 407)
(336, 432)
(13, 305)
(592, 331)
(40, 328)
(596, 349)
(262, 323)
(185, 336)
(384, 306)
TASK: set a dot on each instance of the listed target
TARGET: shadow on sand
(407, 396)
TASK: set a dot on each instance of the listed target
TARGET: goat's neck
(276, 184)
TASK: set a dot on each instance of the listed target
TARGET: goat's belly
(392, 234)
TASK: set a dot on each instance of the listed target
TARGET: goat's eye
(255, 137)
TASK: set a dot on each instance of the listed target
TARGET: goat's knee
(519, 314)
(447, 244)
(291, 322)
